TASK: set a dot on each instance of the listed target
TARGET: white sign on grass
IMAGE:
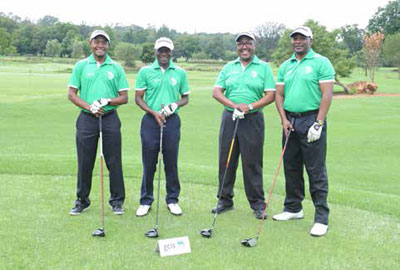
(173, 246)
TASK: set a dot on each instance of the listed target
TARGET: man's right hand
(160, 118)
(286, 126)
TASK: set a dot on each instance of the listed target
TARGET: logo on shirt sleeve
(110, 75)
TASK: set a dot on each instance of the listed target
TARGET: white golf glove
(237, 114)
(314, 133)
(98, 104)
(169, 109)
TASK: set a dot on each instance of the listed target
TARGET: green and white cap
(247, 34)
(164, 42)
(303, 30)
(97, 33)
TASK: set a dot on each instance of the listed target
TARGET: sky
(210, 16)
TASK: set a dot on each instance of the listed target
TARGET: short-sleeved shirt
(301, 81)
(162, 87)
(246, 84)
(95, 82)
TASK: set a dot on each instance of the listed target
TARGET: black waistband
(301, 114)
(104, 115)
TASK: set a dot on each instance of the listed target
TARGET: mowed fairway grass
(38, 186)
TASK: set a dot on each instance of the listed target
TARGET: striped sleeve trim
(123, 89)
(140, 89)
(280, 83)
(324, 81)
(219, 86)
(73, 86)
(270, 90)
(186, 93)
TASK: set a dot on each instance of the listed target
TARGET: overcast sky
(211, 16)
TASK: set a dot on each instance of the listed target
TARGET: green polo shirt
(95, 82)
(246, 85)
(162, 86)
(301, 81)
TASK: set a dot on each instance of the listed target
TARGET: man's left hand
(237, 114)
(314, 133)
(169, 109)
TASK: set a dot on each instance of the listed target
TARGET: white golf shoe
(174, 209)
(142, 210)
(319, 229)
(288, 216)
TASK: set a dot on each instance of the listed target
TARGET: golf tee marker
(173, 246)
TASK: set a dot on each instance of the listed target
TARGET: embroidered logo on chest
(254, 74)
(173, 81)
(308, 69)
(110, 75)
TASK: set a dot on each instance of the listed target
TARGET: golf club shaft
(159, 173)
(273, 182)
(101, 172)
(226, 168)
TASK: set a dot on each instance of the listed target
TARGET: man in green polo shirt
(304, 93)
(244, 87)
(161, 89)
(102, 86)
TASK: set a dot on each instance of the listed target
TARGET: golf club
(100, 232)
(153, 233)
(207, 233)
(251, 242)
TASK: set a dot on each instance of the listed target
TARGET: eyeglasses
(246, 43)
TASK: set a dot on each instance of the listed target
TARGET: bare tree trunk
(345, 87)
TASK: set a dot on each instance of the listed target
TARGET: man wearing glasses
(244, 87)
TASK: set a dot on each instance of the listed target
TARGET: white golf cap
(304, 30)
(247, 34)
(97, 33)
(164, 42)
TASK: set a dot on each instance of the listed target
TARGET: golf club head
(153, 233)
(249, 242)
(99, 232)
(207, 233)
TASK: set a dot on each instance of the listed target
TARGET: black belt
(104, 115)
(301, 114)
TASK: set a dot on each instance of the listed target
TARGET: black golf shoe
(259, 214)
(118, 210)
(221, 208)
(77, 210)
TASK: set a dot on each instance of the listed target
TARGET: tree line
(348, 46)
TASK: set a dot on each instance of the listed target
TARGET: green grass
(38, 168)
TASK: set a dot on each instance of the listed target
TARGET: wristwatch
(250, 106)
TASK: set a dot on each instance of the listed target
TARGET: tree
(186, 46)
(372, 49)
(147, 53)
(6, 46)
(391, 50)
(128, 52)
(324, 43)
(267, 36)
(386, 19)
(48, 21)
(53, 48)
(78, 49)
(352, 38)
(215, 48)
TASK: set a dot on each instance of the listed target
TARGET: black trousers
(299, 154)
(87, 135)
(150, 135)
(249, 144)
